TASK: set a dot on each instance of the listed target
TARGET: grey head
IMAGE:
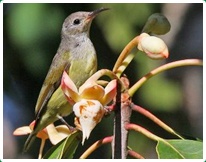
(79, 22)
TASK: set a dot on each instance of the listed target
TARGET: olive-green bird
(76, 55)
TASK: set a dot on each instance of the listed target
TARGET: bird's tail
(29, 141)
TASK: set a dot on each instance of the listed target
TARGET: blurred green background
(32, 36)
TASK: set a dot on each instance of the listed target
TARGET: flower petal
(25, 130)
(56, 134)
(110, 92)
(87, 83)
(41, 134)
(94, 92)
(69, 88)
(89, 113)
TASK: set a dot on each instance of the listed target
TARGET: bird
(77, 56)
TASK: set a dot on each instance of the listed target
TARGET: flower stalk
(186, 62)
(95, 146)
(126, 51)
(154, 119)
(143, 131)
(135, 154)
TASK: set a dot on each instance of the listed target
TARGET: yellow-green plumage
(77, 56)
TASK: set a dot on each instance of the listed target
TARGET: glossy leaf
(179, 149)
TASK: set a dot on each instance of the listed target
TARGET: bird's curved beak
(94, 13)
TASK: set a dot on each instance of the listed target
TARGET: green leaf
(179, 149)
(157, 24)
(64, 149)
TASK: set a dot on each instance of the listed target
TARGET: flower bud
(154, 47)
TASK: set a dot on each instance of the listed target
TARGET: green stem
(186, 62)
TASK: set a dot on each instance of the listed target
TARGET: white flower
(89, 113)
(88, 102)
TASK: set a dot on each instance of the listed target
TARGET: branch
(122, 117)
(116, 143)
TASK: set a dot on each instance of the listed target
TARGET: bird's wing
(51, 82)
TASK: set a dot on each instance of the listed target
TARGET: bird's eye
(76, 22)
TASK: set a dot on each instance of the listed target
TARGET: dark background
(31, 35)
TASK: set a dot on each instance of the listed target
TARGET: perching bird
(76, 55)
